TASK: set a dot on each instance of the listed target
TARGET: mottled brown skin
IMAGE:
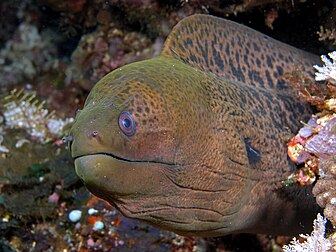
(212, 119)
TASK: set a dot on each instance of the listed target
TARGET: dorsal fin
(235, 52)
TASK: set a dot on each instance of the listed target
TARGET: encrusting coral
(325, 188)
(106, 49)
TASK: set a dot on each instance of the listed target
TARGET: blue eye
(127, 124)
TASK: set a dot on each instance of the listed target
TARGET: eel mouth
(123, 159)
(110, 176)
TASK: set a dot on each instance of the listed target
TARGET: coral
(314, 147)
(323, 144)
(18, 59)
(307, 89)
(327, 34)
(315, 242)
(314, 143)
(325, 188)
(328, 71)
(68, 6)
(2, 147)
(326, 27)
(309, 146)
(24, 111)
(104, 50)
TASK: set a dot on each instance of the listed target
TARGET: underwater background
(52, 52)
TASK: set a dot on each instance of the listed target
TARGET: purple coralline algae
(323, 144)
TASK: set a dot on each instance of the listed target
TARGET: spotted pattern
(263, 119)
(235, 52)
(212, 118)
(134, 94)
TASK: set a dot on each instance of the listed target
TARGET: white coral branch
(328, 71)
(316, 242)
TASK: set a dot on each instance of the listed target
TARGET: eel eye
(127, 124)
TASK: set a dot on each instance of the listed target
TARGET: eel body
(194, 141)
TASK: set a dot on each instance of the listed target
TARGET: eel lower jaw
(110, 177)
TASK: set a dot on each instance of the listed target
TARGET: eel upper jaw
(102, 153)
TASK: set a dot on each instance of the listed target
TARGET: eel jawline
(125, 159)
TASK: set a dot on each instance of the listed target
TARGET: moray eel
(194, 141)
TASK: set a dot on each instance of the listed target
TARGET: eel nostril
(67, 139)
